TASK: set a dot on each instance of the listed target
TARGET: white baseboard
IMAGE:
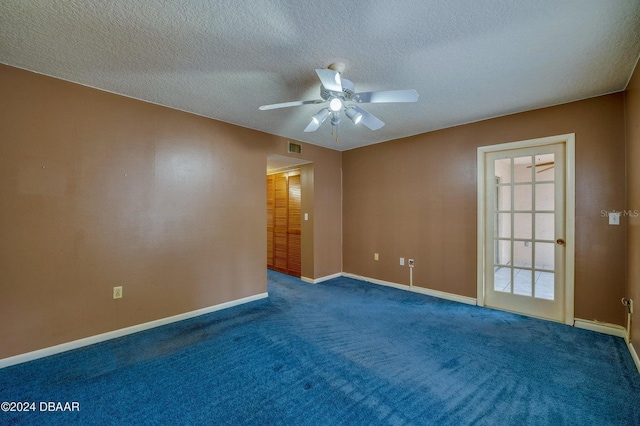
(52, 350)
(321, 279)
(601, 327)
(375, 281)
(416, 289)
(634, 355)
(444, 295)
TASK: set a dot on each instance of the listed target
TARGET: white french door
(524, 231)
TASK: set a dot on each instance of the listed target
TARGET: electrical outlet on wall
(117, 292)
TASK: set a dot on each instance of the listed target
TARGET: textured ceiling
(468, 59)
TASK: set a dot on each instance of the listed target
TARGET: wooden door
(284, 222)
(280, 223)
(271, 205)
(293, 227)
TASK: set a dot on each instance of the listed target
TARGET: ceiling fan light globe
(320, 116)
(335, 104)
(354, 115)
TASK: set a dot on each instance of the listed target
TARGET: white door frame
(569, 141)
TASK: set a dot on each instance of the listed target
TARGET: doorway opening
(284, 243)
(289, 198)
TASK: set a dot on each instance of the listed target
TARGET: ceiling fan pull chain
(334, 130)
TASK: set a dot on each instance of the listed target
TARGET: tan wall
(632, 98)
(416, 198)
(100, 190)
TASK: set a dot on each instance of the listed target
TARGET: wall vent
(295, 148)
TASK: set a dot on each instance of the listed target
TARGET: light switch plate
(614, 218)
(402, 261)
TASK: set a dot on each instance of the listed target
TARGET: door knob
(560, 241)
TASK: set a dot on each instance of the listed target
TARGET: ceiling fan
(340, 95)
(548, 164)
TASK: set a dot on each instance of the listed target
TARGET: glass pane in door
(545, 168)
(502, 169)
(522, 169)
(545, 198)
(522, 282)
(502, 279)
(522, 197)
(504, 197)
(545, 285)
(522, 225)
(503, 225)
(522, 254)
(502, 253)
(545, 226)
(545, 256)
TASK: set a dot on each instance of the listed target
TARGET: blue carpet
(340, 352)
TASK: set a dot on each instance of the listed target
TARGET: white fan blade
(330, 79)
(547, 163)
(409, 95)
(291, 104)
(369, 119)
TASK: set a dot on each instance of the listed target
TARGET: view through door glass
(530, 241)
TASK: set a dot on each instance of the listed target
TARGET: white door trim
(569, 141)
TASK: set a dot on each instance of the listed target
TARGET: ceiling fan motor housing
(347, 91)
